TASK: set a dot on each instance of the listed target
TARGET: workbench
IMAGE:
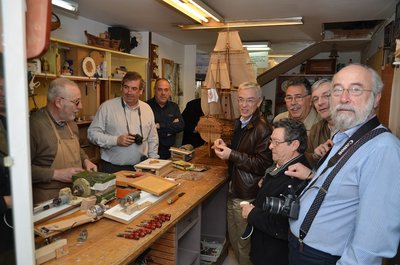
(201, 211)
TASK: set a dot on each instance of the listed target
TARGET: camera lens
(272, 205)
(138, 139)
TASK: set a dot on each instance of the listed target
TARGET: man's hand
(8, 201)
(175, 120)
(246, 209)
(125, 140)
(65, 174)
(89, 166)
(221, 150)
(299, 171)
(322, 149)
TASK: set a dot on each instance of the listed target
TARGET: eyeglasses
(324, 97)
(296, 98)
(353, 90)
(249, 101)
(276, 142)
(76, 102)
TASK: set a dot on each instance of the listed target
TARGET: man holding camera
(349, 213)
(267, 217)
(124, 128)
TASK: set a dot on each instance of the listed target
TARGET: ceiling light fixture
(195, 9)
(249, 23)
(256, 46)
(68, 5)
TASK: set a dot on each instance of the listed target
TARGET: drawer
(188, 221)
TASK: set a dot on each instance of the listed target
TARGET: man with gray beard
(349, 211)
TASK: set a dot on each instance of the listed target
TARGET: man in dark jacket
(167, 115)
(248, 158)
(269, 239)
(191, 115)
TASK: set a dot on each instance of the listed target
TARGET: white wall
(73, 28)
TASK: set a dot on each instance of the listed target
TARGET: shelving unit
(94, 89)
(181, 244)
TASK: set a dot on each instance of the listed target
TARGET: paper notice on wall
(212, 95)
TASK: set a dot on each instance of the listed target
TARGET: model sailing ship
(229, 66)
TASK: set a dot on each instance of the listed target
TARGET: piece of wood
(159, 167)
(56, 226)
(136, 207)
(153, 184)
(56, 249)
(53, 212)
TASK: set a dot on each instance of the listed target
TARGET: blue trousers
(305, 255)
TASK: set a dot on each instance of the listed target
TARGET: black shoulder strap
(312, 212)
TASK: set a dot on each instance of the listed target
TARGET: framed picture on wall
(167, 68)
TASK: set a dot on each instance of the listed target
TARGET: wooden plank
(154, 184)
(163, 248)
(162, 261)
(166, 242)
(160, 254)
(56, 249)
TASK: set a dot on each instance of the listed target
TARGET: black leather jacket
(251, 158)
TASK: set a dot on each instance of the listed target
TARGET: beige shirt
(311, 119)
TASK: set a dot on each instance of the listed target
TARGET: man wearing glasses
(248, 157)
(298, 103)
(54, 138)
(354, 219)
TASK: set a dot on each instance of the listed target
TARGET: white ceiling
(155, 16)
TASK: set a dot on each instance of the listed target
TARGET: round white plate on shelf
(88, 66)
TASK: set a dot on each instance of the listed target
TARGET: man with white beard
(349, 213)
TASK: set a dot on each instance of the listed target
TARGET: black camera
(138, 138)
(289, 206)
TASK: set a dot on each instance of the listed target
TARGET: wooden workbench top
(104, 247)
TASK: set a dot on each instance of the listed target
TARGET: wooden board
(56, 249)
(55, 211)
(159, 167)
(153, 184)
(61, 224)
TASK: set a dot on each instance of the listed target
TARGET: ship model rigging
(229, 66)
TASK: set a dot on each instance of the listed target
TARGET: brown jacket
(319, 134)
(251, 158)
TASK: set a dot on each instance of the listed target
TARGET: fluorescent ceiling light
(68, 5)
(195, 9)
(249, 23)
(256, 46)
